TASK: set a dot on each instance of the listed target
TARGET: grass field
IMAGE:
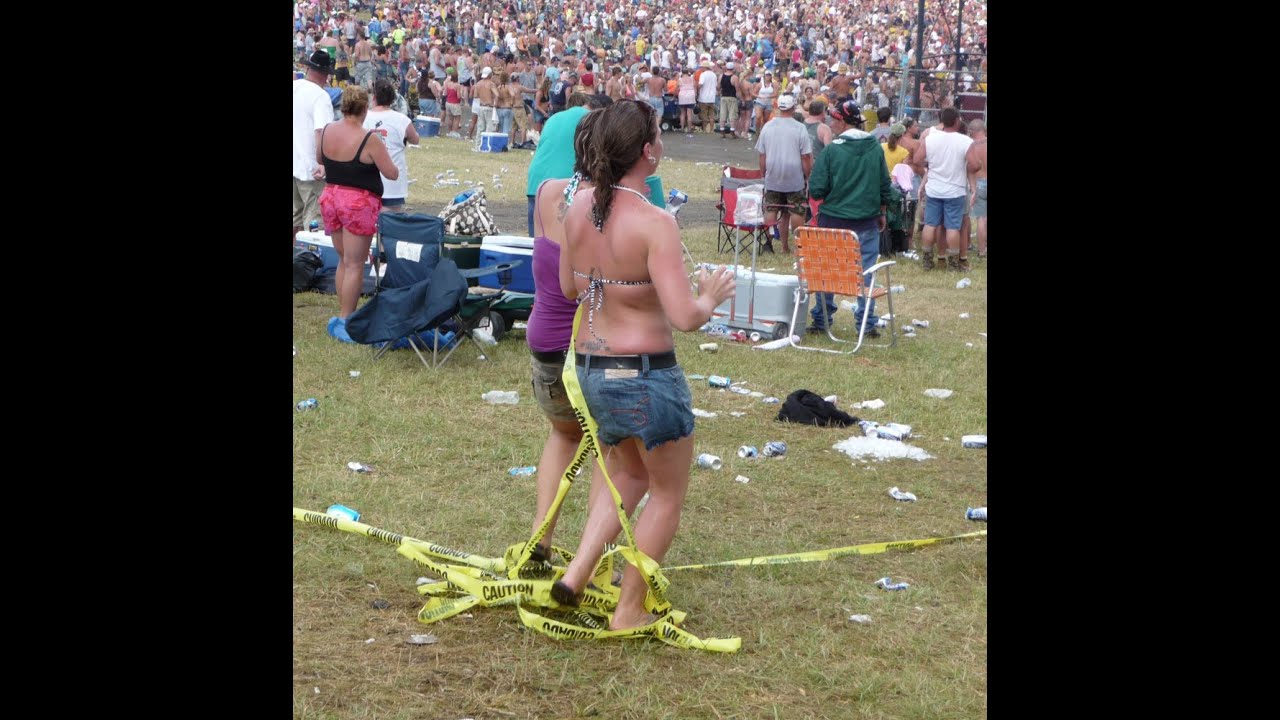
(440, 457)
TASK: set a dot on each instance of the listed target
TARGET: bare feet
(623, 620)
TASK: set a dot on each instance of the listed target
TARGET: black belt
(554, 356)
(657, 361)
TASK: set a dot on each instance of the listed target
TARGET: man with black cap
(852, 180)
(312, 110)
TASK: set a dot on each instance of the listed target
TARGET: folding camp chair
(830, 261)
(733, 237)
(420, 292)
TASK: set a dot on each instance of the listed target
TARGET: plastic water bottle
(344, 512)
(525, 471)
(719, 381)
(308, 404)
(887, 583)
(501, 397)
(978, 514)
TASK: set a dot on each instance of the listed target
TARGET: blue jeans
(429, 108)
(869, 241)
(506, 116)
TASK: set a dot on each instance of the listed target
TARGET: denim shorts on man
(944, 211)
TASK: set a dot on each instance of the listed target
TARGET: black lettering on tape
(321, 519)
(563, 631)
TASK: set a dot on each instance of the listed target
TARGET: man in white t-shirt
(707, 91)
(786, 157)
(312, 110)
(946, 187)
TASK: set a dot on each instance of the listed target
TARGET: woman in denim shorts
(548, 334)
(624, 258)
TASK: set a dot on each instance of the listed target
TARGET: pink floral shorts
(352, 209)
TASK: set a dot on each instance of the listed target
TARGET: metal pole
(919, 53)
(959, 42)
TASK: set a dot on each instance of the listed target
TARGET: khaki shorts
(548, 389)
(306, 201)
(520, 120)
(728, 109)
(454, 109)
(706, 112)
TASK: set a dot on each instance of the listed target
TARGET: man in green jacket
(852, 181)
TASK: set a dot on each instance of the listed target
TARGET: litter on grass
(874, 448)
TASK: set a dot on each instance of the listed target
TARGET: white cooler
(774, 301)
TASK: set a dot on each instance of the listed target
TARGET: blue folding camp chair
(422, 301)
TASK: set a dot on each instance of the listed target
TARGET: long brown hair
(616, 146)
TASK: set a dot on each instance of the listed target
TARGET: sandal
(562, 594)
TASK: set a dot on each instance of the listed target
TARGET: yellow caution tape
(513, 580)
(832, 554)
(465, 587)
(390, 538)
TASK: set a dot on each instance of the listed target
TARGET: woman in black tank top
(354, 162)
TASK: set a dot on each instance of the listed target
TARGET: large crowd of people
(657, 50)
(821, 88)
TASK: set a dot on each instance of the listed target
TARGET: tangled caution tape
(482, 581)
(468, 580)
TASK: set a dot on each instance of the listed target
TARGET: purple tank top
(551, 322)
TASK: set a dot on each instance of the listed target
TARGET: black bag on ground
(807, 408)
(305, 266)
(326, 282)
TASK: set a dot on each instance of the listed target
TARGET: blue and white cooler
(322, 245)
(427, 126)
(496, 249)
(493, 142)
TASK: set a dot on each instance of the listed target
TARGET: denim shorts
(548, 390)
(948, 212)
(655, 406)
(980, 203)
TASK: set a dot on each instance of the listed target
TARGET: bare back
(340, 140)
(978, 151)
(630, 318)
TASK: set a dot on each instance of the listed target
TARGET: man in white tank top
(943, 151)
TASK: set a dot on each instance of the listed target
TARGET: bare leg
(770, 217)
(789, 228)
(351, 271)
(339, 242)
(982, 236)
(628, 473)
(668, 469)
(556, 455)
(953, 241)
